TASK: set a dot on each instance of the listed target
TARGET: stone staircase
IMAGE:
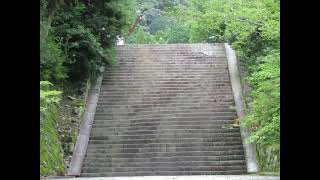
(165, 110)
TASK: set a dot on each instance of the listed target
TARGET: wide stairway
(165, 110)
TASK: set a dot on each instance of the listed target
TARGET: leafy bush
(83, 35)
(172, 34)
(51, 156)
(139, 36)
(176, 33)
(263, 116)
(76, 38)
(51, 61)
(84, 54)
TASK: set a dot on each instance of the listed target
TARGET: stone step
(107, 77)
(153, 80)
(170, 60)
(161, 149)
(211, 108)
(175, 47)
(160, 123)
(164, 154)
(163, 173)
(187, 74)
(161, 136)
(177, 98)
(156, 54)
(156, 114)
(105, 128)
(165, 159)
(140, 100)
(167, 70)
(164, 83)
(167, 82)
(143, 149)
(169, 104)
(173, 72)
(165, 122)
(157, 46)
(199, 107)
(161, 93)
(163, 104)
(170, 97)
(179, 109)
(183, 65)
(101, 132)
(174, 105)
(167, 145)
(154, 85)
(208, 74)
(168, 64)
(127, 79)
(165, 140)
(196, 86)
(179, 52)
(188, 49)
(168, 90)
(153, 93)
(166, 164)
(161, 168)
(167, 57)
(165, 63)
(179, 49)
(162, 117)
(157, 94)
(166, 75)
(172, 51)
(169, 54)
(145, 67)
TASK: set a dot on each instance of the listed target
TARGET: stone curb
(252, 165)
(85, 128)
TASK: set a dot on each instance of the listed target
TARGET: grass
(51, 156)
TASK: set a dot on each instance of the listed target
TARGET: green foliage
(155, 18)
(139, 36)
(76, 38)
(84, 53)
(173, 34)
(263, 116)
(159, 24)
(51, 156)
(83, 35)
(51, 61)
(87, 34)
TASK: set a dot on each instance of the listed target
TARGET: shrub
(51, 155)
(51, 61)
(263, 114)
